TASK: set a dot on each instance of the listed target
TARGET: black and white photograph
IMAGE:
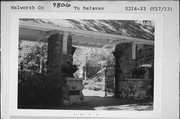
(86, 64)
(120, 62)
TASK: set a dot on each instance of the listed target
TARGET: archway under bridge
(61, 40)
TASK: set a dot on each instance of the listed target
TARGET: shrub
(69, 69)
(40, 91)
(138, 72)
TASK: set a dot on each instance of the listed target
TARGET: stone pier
(132, 81)
(56, 56)
(123, 64)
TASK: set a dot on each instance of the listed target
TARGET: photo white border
(157, 18)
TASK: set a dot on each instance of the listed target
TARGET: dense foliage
(93, 59)
(40, 91)
(33, 57)
(36, 88)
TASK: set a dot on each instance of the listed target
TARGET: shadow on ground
(104, 103)
(110, 103)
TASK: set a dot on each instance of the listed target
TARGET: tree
(33, 57)
(93, 59)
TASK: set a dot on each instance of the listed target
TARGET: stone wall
(138, 89)
(123, 63)
(60, 66)
(126, 61)
(125, 85)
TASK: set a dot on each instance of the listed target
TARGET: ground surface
(96, 100)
